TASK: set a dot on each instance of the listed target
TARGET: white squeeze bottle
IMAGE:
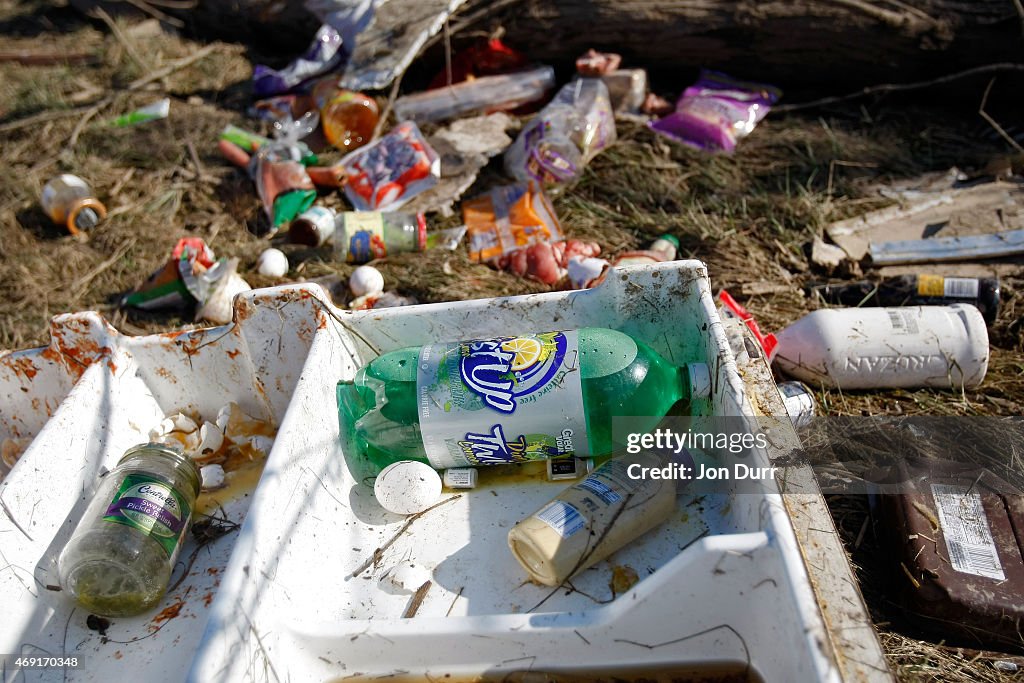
(870, 348)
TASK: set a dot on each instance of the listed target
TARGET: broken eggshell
(212, 476)
(211, 444)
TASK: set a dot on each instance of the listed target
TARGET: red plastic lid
(768, 342)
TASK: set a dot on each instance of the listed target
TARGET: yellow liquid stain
(695, 673)
(238, 482)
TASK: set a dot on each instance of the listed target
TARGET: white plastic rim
(407, 487)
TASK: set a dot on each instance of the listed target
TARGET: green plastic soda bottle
(508, 399)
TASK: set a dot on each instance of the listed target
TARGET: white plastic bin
(722, 588)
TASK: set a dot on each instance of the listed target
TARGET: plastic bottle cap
(700, 380)
(86, 219)
(407, 487)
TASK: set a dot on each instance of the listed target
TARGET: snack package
(717, 111)
(178, 282)
(566, 134)
(389, 172)
(508, 218)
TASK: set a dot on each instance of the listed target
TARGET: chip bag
(389, 172)
(508, 218)
(717, 111)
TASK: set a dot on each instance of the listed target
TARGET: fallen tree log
(820, 44)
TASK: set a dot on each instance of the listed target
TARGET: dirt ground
(750, 216)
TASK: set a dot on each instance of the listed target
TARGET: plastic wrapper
(191, 275)
(480, 95)
(627, 89)
(717, 111)
(324, 54)
(284, 187)
(508, 218)
(387, 173)
(331, 47)
(566, 134)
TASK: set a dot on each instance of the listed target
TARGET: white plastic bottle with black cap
(871, 348)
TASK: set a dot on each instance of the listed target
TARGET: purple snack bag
(324, 54)
(343, 21)
(717, 111)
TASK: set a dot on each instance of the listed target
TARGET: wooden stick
(137, 84)
(376, 555)
(416, 601)
(899, 87)
(133, 54)
(47, 58)
(81, 282)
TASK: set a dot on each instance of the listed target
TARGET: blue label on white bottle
(500, 401)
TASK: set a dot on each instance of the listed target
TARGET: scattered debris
(930, 208)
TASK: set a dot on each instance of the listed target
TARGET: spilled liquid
(691, 673)
(238, 482)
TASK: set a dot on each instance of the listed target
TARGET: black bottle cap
(988, 298)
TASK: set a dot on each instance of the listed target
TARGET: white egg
(272, 263)
(407, 487)
(366, 280)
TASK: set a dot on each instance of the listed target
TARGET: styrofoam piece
(296, 594)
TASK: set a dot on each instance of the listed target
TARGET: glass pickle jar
(119, 559)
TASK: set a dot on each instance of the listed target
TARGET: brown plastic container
(957, 532)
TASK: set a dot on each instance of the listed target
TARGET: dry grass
(749, 216)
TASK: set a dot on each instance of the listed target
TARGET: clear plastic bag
(556, 145)
(281, 180)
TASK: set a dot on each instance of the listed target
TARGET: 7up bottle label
(500, 401)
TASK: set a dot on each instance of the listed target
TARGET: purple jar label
(151, 506)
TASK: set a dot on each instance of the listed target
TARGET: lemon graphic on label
(528, 351)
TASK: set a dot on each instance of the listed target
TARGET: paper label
(151, 506)
(904, 320)
(930, 285)
(501, 401)
(365, 233)
(947, 287)
(563, 518)
(965, 528)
